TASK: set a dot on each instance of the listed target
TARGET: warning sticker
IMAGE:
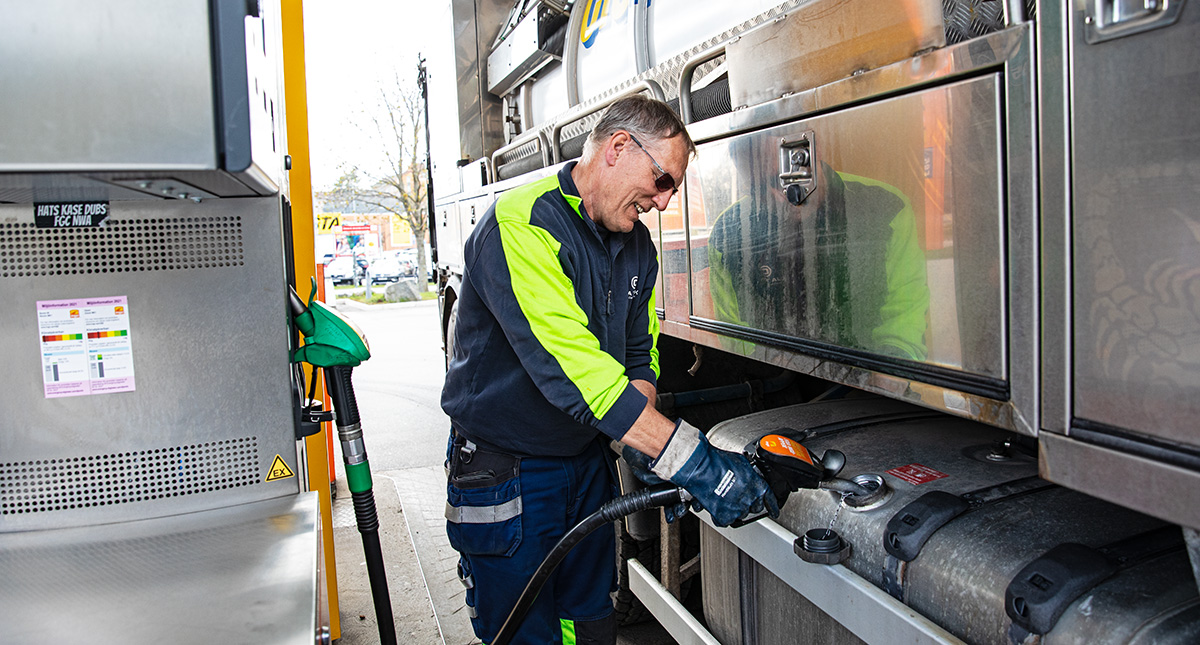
(279, 470)
(86, 347)
(916, 474)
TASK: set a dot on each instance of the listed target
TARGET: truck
(956, 241)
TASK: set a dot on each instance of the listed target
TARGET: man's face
(629, 187)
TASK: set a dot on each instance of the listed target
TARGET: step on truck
(957, 241)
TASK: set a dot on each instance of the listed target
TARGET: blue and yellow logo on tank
(597, 14)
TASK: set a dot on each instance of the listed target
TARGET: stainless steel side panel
(898, 251)
(208, 333)
(826, 40)
(480, 117)
(126, 84)
(1135, 243)
(247, 574)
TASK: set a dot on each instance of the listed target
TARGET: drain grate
(153, 244)
(45, 485)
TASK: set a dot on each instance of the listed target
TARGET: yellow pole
(304, 243)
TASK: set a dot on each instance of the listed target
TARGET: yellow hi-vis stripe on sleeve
(547, 300)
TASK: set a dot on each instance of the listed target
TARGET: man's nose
(662, 199)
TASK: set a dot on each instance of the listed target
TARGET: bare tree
(401, 188)
(342, 197)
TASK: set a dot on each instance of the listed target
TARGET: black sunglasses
(663, 181)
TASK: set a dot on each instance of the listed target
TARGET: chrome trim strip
(963, 404)
(936, 66)
(1161, 490)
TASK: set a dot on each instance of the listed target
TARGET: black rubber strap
(826, 429)
(912, 526)
(1040, 593)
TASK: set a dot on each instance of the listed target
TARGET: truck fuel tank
(961, 529)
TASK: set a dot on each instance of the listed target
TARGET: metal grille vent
(102, 480)
(121, 246)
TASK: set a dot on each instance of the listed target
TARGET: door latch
(1109, 19)
(797, 167)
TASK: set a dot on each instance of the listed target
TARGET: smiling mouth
(640, 210)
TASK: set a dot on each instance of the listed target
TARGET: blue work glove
(639, 463)
(723, 483)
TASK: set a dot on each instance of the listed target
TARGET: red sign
(355, 229)
(916, 474)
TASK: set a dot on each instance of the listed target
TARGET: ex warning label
(916, 474)
(279, 470)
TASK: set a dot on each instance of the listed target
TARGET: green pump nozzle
(330, 339)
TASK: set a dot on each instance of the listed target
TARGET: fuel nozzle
(788, 466)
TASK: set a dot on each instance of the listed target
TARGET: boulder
(402, 291)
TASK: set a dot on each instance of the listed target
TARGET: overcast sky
(352, 49)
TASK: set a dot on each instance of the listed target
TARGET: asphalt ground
(405, 434)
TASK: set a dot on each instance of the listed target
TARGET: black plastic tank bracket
(911, 527)
(1043, 590)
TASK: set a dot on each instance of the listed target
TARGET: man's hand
(724, 483)
(640, 465)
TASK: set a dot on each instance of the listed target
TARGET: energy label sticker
(86, 347)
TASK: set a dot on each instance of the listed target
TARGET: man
(554, 353)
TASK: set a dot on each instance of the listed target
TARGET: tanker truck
(957, 241)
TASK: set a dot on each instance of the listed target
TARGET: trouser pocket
(483, 502)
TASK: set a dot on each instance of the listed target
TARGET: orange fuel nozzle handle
(788, 466)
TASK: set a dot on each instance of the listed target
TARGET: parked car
(344, 270)
(389, 269)
(411, 256)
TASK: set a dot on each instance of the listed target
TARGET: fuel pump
(335, 344)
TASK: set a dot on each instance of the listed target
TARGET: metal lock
(797, 174)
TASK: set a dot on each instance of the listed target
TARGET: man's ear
(613, 147)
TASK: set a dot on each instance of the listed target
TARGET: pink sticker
(916, 474)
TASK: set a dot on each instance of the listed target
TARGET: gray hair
(647, 119)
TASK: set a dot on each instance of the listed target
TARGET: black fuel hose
(615, 509)
(340, 386)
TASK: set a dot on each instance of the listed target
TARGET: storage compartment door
(1136, 232)
(871, 236)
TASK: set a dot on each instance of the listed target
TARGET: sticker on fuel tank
(916, 474)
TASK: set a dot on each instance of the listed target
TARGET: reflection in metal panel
(1136, 232)
(875, 229)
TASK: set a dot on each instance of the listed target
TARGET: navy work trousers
(504, 516)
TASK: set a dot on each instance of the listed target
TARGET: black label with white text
(70, 214)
